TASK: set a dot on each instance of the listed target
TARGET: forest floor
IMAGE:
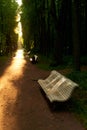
(23, 106)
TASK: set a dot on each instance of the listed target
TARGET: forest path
(22, 104)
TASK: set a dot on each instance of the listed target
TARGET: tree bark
(58, 44)
(76, 41)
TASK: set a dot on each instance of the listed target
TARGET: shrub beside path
(23, 105)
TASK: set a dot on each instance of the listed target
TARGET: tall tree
(76, 38)
(58, 43)
(7, 23)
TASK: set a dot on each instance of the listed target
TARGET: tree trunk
(76, 41)
(58, 44)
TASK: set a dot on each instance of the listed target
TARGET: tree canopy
(8, 38)
(56, 27)
(53, 28)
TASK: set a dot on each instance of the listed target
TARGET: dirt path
(24, 107)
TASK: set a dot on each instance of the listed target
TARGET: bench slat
(57, 87)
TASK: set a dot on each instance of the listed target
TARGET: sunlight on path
(8, 86)
(8, 90)
(15, 70)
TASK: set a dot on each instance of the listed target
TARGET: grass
(79, 99)
(44, 63)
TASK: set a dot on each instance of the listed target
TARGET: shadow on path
(4, 66)
(28, 109)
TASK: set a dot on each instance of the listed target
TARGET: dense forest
(8, 38)
(51, 28)
(56, 28)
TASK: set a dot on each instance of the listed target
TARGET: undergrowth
(79, 99)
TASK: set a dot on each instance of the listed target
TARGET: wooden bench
(57, 87)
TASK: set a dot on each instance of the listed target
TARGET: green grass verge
(44, 63)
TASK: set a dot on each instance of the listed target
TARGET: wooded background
(57, 28)
(53, 28)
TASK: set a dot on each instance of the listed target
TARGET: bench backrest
(57, 86)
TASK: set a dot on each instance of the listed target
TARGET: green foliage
(79, 100)
(84, 60)
(8, 10)
(80, 78)
(45, 63)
